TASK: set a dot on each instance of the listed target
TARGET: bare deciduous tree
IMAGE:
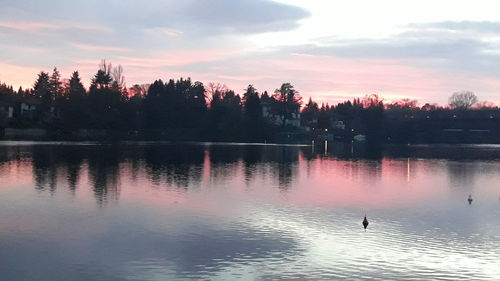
(213, 88)
(404, 103)
(463, 100)
(139, 89)
(118, 78)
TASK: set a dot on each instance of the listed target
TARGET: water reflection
(174, 165)
(182, 166)
(222, 212)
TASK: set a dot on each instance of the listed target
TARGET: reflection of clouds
(198, 212)
(202, 249)
(469, 176)
(140, 243)
(338, 248)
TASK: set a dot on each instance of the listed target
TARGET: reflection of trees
(449, 152)
(225, 154)
(344, 150)
(252, 155)
(174, 165)
(462, 174)
(44, 167)
(72, 157)
(103, 169)
(51, 162)
(9, 154)
(5, 156)
(224, 161)
(283, 160)
(178, 165)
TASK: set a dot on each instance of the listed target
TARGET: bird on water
(365, 223)
(469, 199)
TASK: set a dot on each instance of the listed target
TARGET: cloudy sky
(330, 50)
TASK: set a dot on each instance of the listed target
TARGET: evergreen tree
(252, 105)
(225, 115)
(43, 91)
(289, 101)
(74, 108)
(41, 87)
(309, 116)
(253, 119)
(75, 88)
(105, 101)
(55, 84)
(102, 79)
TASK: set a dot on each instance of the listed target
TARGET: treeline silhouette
(176, 109)
(186, 110)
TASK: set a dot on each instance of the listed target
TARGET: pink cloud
(170, 32)
(32, 26)
(333, 79)
(99, 48)
(89, 27)
(324, 78)
(175, 58)
(29, 26)
(246, 78)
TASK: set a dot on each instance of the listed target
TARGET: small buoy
(469, 199)
(365, 223)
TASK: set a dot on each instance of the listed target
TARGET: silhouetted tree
(75, 88)
(403, 103)
(255, 127)
(118, 80)
(196, 104)
(105, 101)
(156, 106)
(324, 117)
(43, 92)
(225, 115)
(55, 84)
(102, 79)
(75, 109)
(139, 90)
(213, 88)
(288, 99)
(252, 105)
(463, 100)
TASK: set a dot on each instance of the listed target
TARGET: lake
(200, 211)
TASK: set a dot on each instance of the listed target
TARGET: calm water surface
(159, 211)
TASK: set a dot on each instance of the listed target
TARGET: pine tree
(55, 84)
(41, 87)
(75, 87)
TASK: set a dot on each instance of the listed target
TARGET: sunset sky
(330, 50)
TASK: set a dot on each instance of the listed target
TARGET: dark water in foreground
(248, 212)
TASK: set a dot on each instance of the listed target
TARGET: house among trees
(283, 108)
(28, 108)
(7, 109)
(186, 110)
(275, 117)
